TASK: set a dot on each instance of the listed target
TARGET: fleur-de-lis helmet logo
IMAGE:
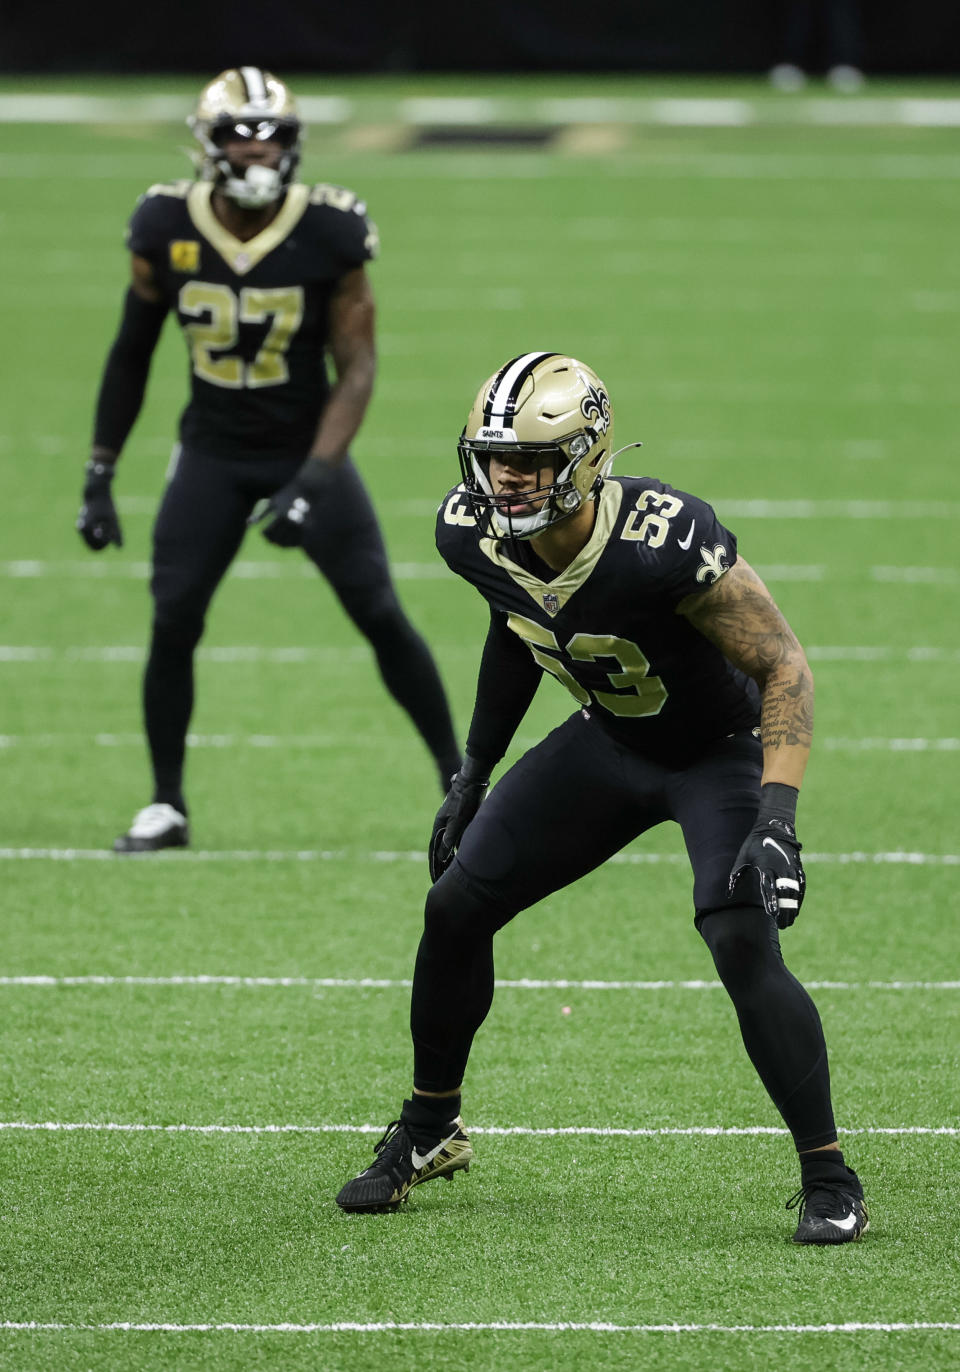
(595, 406)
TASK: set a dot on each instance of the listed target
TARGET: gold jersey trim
(178, 190)
(242, 257)
(553, 595)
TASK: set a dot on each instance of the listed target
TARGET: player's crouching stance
(696, 705)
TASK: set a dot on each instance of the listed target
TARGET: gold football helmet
(246, 103)
(550, 412)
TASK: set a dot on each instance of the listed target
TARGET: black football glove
(772, 849)
(97, 522)
(291, 509)
(463, 800)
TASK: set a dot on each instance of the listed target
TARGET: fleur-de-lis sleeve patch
(714, 564)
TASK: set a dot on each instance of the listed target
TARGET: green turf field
(775, 311)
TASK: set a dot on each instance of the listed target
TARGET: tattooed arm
(740, 616)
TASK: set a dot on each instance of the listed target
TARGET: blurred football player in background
(820, 35)
(267, 279)
(695, 705)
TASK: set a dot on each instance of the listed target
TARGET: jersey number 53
(635, 692)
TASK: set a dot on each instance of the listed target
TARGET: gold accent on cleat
(452, 1154)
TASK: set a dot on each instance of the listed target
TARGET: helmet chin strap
(259, 186)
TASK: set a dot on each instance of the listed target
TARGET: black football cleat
(831, 1212)
(154, 827)
(400, 1165)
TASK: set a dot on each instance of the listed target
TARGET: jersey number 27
(219, 332)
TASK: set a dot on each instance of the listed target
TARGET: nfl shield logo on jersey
(551, 602)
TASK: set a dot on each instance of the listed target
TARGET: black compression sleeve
(506, 684)
(125, 374)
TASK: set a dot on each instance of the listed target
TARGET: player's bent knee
(453, 913)
(741, 939)
(375, 609)
(177, 628)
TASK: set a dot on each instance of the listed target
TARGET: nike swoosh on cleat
(772, 843)
(846, 1225)
(419, 1160)
(684, 543)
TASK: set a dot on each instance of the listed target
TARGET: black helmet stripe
(255, 84)
(503, 394)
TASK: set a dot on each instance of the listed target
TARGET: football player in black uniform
(266, 277)
(695, 705)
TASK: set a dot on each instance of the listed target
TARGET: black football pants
(569, 804)
(199, 528)
(832, 26)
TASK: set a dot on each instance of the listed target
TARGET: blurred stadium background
(769, 283)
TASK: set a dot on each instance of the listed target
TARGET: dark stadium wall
(900, 36)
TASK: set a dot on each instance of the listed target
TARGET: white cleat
(155, 827)
(846, 80)
(787, 77)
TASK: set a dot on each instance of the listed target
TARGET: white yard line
(479, 1327)
(917, 576)
(890, 745)
(228, 653)
(837, 509)
(34, 569)
(211, 855)
(296, 654)
(30, 569)
(286, 741)
(494, 167)
(56, 107)
(881, 652)
(895, 859)
(290, 742)
(488, 1131)
(296, 570)
(204, 980)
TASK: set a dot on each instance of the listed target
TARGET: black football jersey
(254, 314)
(607, 625)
